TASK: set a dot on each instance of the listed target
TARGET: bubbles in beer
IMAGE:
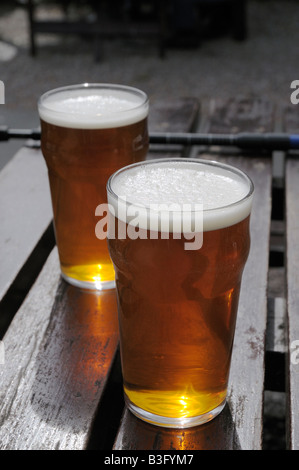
(184, 182)
(176, 183)
(93, 108)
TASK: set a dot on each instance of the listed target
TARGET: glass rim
(212, 163)
(93, 85)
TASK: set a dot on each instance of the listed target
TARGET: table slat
(248, 360)
(290, 121)
(55, 372)
(292, 262)
(26, 211)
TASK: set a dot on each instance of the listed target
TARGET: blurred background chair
(194, 21)
(170, 23)
(101, 20)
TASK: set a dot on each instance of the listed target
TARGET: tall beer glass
(88, 131)
(177, 288)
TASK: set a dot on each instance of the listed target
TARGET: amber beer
(178, 305)
(88, 132)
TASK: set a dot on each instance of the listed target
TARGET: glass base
(97, 285)
(174, 422)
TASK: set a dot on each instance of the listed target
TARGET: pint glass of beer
(88, 131)
(179, 239)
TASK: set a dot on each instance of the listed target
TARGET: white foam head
(221, 194)
(93, 106)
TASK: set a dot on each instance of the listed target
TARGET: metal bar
(269, 141)
(7, 133)
(243, 140)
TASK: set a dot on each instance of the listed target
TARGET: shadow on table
(218, 434)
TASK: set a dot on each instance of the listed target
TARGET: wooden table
(59, 361)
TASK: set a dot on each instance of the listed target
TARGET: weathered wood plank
(292, 262)
(247, 368)
(240, 115)
(239, 426)
(26, 211)
(58, 352)
(172, 116)
(290, 124)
